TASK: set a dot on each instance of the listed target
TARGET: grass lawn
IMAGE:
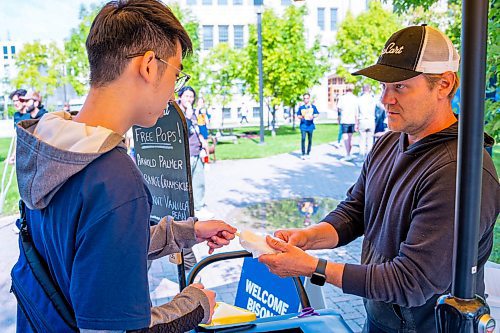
(285, 141)
(11, 202)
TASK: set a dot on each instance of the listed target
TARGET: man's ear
(446, 84)
(148, 67)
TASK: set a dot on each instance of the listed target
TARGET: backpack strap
(42, 274)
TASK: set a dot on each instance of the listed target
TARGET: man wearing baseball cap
(403, 202)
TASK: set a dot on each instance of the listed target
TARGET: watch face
(318, 279)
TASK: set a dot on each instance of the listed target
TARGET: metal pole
(261, 75)
(463, 311)
(470, 147)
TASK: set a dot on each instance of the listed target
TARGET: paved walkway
(232, 185)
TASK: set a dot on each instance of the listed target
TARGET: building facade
(8, 70)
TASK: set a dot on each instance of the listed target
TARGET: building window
(5, 49)
(286, 2)
(208, 37)
(321, 18)
(256, 112)
(206, 2)
(237, 2)
(223, 33)
(333, 19)
(226, 113)
(191, 2)
(12, 50)
(238, 36)
(222, 2)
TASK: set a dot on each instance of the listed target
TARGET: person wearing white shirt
(366, 120)
(348, 105)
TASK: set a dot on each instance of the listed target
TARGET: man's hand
(296, 237)
(211, 298)
(217, 233)
(292, 261)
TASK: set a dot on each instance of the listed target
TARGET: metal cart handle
(304, 300)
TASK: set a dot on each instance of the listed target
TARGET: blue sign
(264, 293)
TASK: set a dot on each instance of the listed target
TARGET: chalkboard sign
(162, 155)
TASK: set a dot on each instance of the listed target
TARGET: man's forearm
(322, 236)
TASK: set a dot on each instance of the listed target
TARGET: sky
(45, 20)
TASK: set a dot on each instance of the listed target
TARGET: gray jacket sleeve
(171, 236)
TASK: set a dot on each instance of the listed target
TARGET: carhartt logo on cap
(392, 48)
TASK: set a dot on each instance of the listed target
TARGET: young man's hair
(17, 92)
(126, 27)
(433, 79)
(306, 94)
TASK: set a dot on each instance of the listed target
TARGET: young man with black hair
(19, 105)
(404, 199)
(87, 205)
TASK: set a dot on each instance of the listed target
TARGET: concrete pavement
(232, 185)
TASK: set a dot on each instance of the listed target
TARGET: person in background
(202, 117)
(34, 106)
(380, 121)
(306, 113)
(403, 202)
(66, 107)
(87, 205)
(197, 149)
(19, 104)
(348, 110)
(366, 120)
(244, 112)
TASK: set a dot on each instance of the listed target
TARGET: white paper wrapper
(255, 244)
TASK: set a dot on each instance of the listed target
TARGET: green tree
(220, 72)
(360, 40)
(77, 65)
(290, 67)
(191, 64)
(39, 67)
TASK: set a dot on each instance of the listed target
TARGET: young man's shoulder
(112, 178)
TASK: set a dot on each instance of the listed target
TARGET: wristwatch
(319, 275)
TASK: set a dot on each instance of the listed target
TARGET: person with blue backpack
(85, 235)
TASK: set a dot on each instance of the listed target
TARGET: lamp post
(258, 6)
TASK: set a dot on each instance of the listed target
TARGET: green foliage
(39, 67)
(12, 198)
(361, 39)
(290, 67)
(492, 119)
(495, 254)
(220, 71)
(10, 111)
(77, 65)
(191, 63)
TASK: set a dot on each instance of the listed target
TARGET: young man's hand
(217, 233)
(211, 298)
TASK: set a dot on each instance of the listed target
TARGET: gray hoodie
(53, 149)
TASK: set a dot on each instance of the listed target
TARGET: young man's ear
(446, 84)
(148, 67)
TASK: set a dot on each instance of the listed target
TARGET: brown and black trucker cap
(412, 51)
